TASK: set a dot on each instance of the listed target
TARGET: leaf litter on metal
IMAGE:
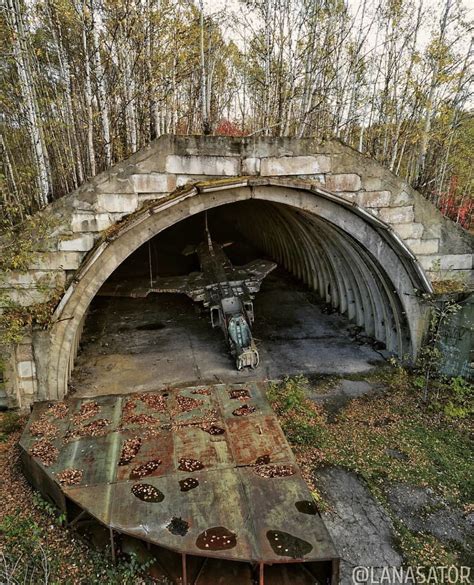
(202, 470)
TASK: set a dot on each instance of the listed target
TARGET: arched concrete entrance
(347, 227)
(352, 259)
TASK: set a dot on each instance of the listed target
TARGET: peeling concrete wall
(442, 248)
(457, 340)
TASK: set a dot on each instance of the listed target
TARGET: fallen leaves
(145, 469)
(87, 411)
(70, 476)
(129, 451)
(43, 428)
(45, 451)
(271, 471)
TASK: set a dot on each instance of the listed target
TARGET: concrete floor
(142, 344)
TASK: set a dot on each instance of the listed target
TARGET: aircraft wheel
(255, 361)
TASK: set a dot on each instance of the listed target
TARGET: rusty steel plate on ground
(204, 471)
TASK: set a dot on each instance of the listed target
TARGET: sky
(433, 10)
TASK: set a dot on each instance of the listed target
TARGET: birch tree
(21, 51)
(100, 81)
(86, 83)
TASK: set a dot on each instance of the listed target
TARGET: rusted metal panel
(257, 439)
(218, 501)
(96, 500)
(154, 458)
(195, 443)
(94, 457)
(285, 528)
(229, 405)
(42, 481)
(201, 471)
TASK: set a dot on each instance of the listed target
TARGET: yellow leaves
(16, 320)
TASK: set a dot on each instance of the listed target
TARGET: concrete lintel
(203, 165)
(295, 165)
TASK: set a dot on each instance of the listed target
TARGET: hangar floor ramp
(202, 471)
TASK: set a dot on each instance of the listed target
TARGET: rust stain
(181, 469)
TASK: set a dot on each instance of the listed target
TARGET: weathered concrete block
(410, 230)
(372, 183)
(81, 243)
(24, 297)
(28, 388)
(117, 203)
(32, 278)
(153, 183)
(318, 178)
(113, 184)
(57, 260)
(447, 262)
(24, 352)
(352, 197)
(394, 215)
(461, 276)
(91, 222)
(400, 198)
(250, 166)
(432, 230)
(26, 369)
(345, 182)
(374, 198)
(203, 165)
(295, 165)
(418, 246)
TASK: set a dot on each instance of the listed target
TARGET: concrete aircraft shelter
(360, 237)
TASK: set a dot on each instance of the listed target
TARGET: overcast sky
(433, 10)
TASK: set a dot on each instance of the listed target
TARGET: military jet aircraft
(225, 289)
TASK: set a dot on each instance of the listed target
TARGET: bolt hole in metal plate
(187, 474)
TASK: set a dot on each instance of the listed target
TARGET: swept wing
(192, 285)
(253, 273)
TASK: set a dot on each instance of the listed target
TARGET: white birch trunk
(88, 99)
(100, 84)
(206, 125)
(425, 137)
(20, 52)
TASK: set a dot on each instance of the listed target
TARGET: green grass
(449, 455)
(28, 555)
(436, 448)
(9, 423)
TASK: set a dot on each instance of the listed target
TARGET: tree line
(85, 83)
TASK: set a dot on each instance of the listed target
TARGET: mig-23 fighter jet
(226, 290)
